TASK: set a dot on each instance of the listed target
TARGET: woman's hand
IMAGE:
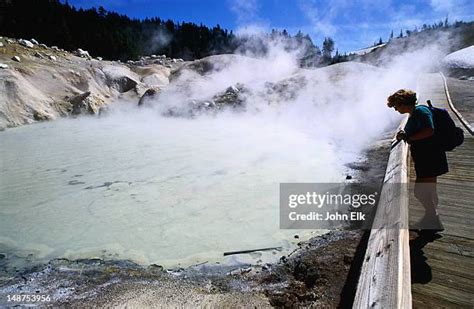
(401, 135)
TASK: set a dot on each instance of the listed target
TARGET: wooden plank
(451, 257)
(385, 280)
(421, 300)
(456, 296)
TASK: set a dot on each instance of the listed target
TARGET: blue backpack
(446, 133)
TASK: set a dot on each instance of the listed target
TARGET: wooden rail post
(385, 280)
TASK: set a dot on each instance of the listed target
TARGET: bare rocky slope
(42, 83)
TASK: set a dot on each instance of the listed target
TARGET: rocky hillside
(38, 82)
(448, 39)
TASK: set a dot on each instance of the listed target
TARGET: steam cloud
(328, 114)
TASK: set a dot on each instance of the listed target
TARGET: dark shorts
(430, 160)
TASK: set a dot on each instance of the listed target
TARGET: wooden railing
(384, 280)
(466, 124)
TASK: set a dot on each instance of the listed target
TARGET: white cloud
(246, 10)
(322, 15)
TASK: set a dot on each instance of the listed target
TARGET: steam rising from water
(180, 190)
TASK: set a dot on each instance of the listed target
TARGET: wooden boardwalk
(443, 269)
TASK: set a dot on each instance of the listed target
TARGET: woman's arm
(421, 134)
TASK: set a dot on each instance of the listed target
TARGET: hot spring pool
(154, 190)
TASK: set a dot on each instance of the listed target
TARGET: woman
(429, 159)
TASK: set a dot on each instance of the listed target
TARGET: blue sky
(353, 24)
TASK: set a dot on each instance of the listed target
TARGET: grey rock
(147, 95)
(34, 41)
(3, 66)
(125, 83)
(230, 97)
(52, 57)
(43, 45)
(78, 103)
(82, 53)
(41, 116)
(39, 55)
(16, 58)
(26, 43)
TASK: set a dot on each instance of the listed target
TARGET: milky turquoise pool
(154, 190)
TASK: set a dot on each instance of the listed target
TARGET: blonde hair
(402, 97)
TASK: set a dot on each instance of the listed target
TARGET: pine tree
(328, 48)
(401, 34)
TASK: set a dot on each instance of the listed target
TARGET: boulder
(34, 41)
(230, 97)
(26, 43)
(52, 57)
(84, 103)
(124, 84)
(41, 116)
(43, 46)
(16, 58)
(78, 104)
(99, 58)
(3, 66)
(55, 48)
(147, 95)
(39, 55)
(82, 53)
(120, 78)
